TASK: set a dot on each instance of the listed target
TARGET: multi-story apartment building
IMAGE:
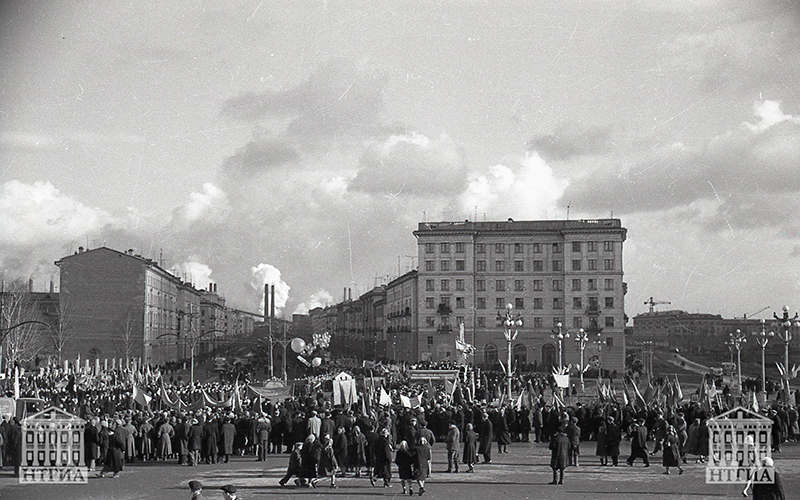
(120, 305)
(374, 319)
(554, 272)
(401, 317)
(213, 319)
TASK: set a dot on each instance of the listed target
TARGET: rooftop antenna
(568, 203)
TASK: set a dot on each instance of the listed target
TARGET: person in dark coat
(195, 441)
(227, 435)
(91, 439)
(423, 460)
(211, 441)
(295, 460)
(453, 442)
(672, 453)
(574, 435)
(769, 491)
(613, 438)
(309, 459)
(470, 448)
(116, 449)
(486, 432)
(340, 446)
(382, 458)
(405, 460)
(501, 432)
(559, 455)
(13, 445)
(182, 440)
(639, 444)
(327, 460)
(601, 450)
(356, 450)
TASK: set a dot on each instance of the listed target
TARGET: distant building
(401, 317)
(553, 271)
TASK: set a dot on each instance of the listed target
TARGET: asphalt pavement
(523, 473)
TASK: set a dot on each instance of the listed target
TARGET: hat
(229, 488)
(195, 485)
(768, 462)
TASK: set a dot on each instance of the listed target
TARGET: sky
(299, 143)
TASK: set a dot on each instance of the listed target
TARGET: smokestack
(30, 285)
(52, 287)
(344, 296)
(215, 288)
(350, 294)
(266, 302)
(272, 303)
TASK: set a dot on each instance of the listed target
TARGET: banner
(385, 400)
(140, 396)
(562, 381)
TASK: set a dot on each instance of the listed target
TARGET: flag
(415, 401)
(449, 387)
(385, 400)
(16, 382)
(405, 401)
(625, 397)
(678, 391)
(649, 393)
(755, 403)
(139, 396)
(562, 381)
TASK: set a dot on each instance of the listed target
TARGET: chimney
(272, 303)
(80, 249)
(266, 302)
(52, 287)
(210, 287)
(30, 285)
(344, 299)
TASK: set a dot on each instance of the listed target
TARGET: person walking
(613, 438)
(423, 458)
(470, 448)
(601, 450)
(227, 435)
(486, 432)
(356, 450)
(559, 455)
(294, 465)
(671, 456)
(639, 444)
(383, 458)
(195, 441)
(453, 442)
(405, 460)
(574, 435)
(309, 459)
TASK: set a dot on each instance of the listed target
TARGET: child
(294, 464)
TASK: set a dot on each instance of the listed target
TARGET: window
(445, 302)
(591, 246)
(608, 264)
(481, 304)
(610, 321)
(460, 265)
(537, 322)
(481, 321)
(460, 247)
(576, 285)
(609, 341)
(500, 265)
(460, 303)
(428, 285)
(517, 247)
(591, 264)
(519, 285)
(480, 248)
(609, 284)
(500, 285)
(480, 285)
(557, 248)
(537, 265)
(430, 341)
(537, 303)
(558, 285)
(430, 321)
(444, 247)
(445, 285)
(577, 303)
(576, 265)
(519, 303)
(490, 354)
(537, 248)
(499, 248)
(577, 322)
(444, 265)
(480, 265)
(460, 285)
(430, 303)
(429, 265)
(537, 285)
(429, 248)
(591, 284)
(608, 246)
(557, 303)
(557, 265)
(500, 303)
(576, 246)
(609, 302)
(593, 306)
(519, 266)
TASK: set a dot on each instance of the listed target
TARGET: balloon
(316, 362)
(298, 345)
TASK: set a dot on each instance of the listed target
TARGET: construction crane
(753, 314)
(654, 303)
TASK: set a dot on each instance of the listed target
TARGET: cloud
(570, 140)
(38, 213)
(194, 272)
(525, 190)
(266, 274)
(261, 154)
(30, 141)
(209, 205)
(321, 298)
(754, 164)
(411, 164)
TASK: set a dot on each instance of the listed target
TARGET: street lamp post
(581, 339)
(511, 326)
(559, 335)
(735, 342)
(787, 323)
(762, 339)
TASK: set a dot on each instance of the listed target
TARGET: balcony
(444, 329)
(593, 310)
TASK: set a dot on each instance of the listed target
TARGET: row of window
(538, 322)
(592, 303)
(519, 265)
(591, 246)
(519, 285)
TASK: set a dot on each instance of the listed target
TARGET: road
(521, 474)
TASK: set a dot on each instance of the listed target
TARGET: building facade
(566, 273)
(401, 317)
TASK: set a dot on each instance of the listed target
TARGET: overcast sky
(301, 142)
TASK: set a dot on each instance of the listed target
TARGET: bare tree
(59, 333)
(127, 329)
(23, 339)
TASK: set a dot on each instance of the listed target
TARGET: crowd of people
(324, 442)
